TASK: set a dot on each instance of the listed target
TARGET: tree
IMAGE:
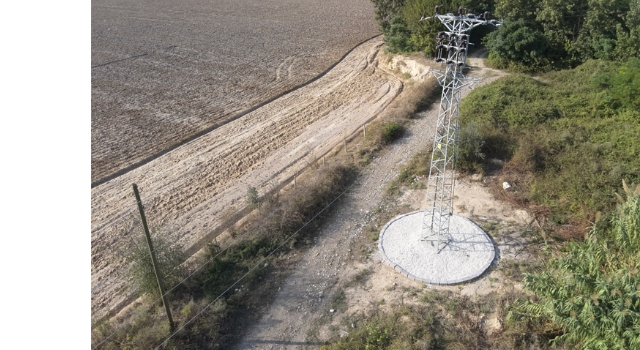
(398, 38)
(598, 36)
(516, 42)
(422, 34)
(403, 30)
(385, 11)
(513, 10)
(628, 35)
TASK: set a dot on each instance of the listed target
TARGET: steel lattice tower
(452, 47)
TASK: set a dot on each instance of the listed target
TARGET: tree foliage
(538, 35)
(591, 294)
(386, 10)
(404, 32)
(398, 39)
(517, 42)
(574, 30)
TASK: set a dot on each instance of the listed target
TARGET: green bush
(398, 39)
(624, 85)
(253, 198)
(169, 256)
(391, 132)
(469, 146)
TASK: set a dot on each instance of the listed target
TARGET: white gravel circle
(469, 254)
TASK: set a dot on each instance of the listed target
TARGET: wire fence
(264, 219)
(129, 220)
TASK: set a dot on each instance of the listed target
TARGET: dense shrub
(169, 256)
(591, 294)
(392, 131)
(398, 39)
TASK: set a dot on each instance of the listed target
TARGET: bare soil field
(191, 189)
(165, 72)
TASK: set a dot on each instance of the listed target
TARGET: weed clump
(391, 132)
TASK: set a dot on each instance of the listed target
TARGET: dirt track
(164, 71)
(189, 187)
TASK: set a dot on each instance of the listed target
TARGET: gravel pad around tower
(466, 257)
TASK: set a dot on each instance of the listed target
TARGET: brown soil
(193, 187)
(165, 71)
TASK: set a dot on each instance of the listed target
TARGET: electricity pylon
(452, 47)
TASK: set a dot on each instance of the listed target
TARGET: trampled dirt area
(192, 188)
(164, 71)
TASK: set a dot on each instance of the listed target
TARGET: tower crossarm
(462, 23)
(463, 80)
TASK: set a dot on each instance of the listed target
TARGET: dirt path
(191, 187)
(301, 315)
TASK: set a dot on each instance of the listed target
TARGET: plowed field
(164, 72)
(194, 100)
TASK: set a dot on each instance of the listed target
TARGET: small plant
(391, 132)
(470, 144)
(169, 256)
(362, 277)
(253, 198)
(339, 301)
(377, 338)
(374, 235)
